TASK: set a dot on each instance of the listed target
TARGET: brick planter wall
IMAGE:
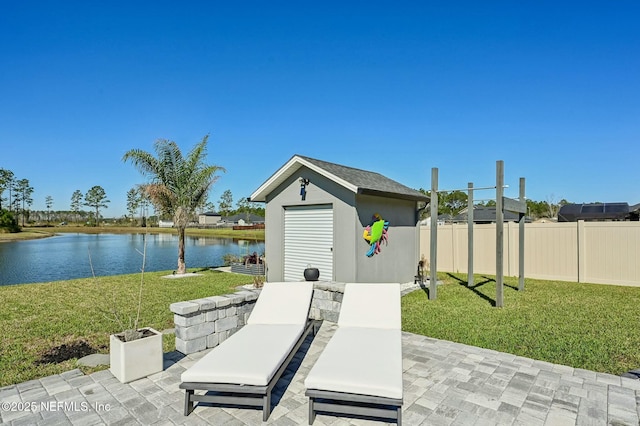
(205, 323)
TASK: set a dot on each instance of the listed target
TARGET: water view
(69, 256)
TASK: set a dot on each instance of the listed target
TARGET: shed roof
(356, 180)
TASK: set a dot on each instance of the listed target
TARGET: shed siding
(398, 260)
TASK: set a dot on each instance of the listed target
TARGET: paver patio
(445, 383)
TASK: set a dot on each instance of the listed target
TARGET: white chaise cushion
(282, 303)
(363, 361)
(251, 356)
(371, 305)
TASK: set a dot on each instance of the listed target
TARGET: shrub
(7, 222)
(231, 258)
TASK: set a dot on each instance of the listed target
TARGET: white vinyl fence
(591, 252)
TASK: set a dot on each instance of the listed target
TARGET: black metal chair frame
(353, 404)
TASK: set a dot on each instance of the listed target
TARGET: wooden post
(521, 240)
(470, 235)
(433, 251)
(499, 233)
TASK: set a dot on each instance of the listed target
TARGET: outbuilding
(318, 214)
(209, 218)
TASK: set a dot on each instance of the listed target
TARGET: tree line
(16, 201)
(454, 202)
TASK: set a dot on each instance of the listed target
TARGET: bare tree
(552, 206)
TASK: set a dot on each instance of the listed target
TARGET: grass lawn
(590, 326)
(37, 318)
(596, 327)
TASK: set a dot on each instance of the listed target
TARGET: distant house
(482, 214)
(243, 219)
(165, 224)
(209, 218)
(598, 212)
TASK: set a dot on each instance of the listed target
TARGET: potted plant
(136, 352)
(138, 358)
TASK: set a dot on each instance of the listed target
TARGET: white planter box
(136, 359)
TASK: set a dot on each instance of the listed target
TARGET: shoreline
(32, 233)
(24, 236)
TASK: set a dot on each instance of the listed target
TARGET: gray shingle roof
(356, 180)
(368, 182)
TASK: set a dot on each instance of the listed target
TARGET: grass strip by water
(589, 326)
(40, 321)
(39, 232)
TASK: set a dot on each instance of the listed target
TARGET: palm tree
(178, 185)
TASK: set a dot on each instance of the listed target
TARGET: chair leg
(266, 406)
(188, 403)
(312, 412)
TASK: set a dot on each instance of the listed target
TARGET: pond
(69, 256)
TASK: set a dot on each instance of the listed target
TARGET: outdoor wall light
(303, 188)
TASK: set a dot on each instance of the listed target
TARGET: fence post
(454, 247)
(499, 233)
(521, 239)
(470, 234)
(433, 263)
(582, 245)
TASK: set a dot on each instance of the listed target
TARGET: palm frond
(176, 181)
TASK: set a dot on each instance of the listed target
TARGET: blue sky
(551, 88)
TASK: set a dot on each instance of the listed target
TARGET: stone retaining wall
(205, 323)
(326, 301)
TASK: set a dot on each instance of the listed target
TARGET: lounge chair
(244, 369)
(360, 370)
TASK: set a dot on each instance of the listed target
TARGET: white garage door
(308, 240)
